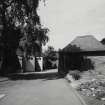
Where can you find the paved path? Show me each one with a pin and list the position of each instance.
(2, 79)
(40, 92)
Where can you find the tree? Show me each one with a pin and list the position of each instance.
(21, 28)
(103, 41)
(50, 56)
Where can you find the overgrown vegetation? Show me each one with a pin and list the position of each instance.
(21, 29)
(50, 58)
(75, 74)
(91, 86)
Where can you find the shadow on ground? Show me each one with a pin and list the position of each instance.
(32, 76)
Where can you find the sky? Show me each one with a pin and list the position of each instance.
(67, 19)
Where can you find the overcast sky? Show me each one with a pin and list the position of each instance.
(67, 19)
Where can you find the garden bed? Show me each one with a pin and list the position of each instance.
(93, 92)
(91, 86)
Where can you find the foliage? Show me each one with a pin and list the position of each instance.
(22, 15)
(50, 56)
(103, 41)
(21, 27)
(75, 74)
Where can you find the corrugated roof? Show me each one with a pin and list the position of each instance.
(84, 43)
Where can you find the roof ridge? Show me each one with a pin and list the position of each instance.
(84, 36)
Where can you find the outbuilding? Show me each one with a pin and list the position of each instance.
(82, 53)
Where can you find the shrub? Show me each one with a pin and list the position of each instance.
(75, 74)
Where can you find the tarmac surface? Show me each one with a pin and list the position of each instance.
(40, 91)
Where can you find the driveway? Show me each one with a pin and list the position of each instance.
(39, 91)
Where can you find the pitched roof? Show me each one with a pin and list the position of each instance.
(84, 43)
